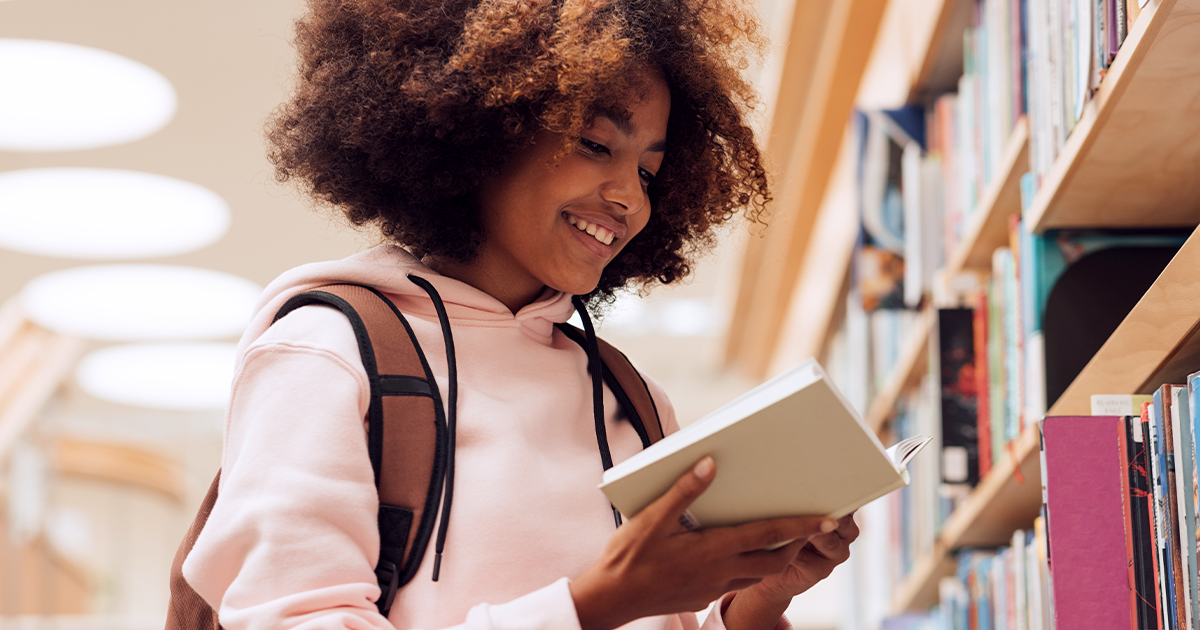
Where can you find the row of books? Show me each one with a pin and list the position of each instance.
(1128, 527)
(1116, 545)
(1008, 588)
(1077, 286)
(1050, 303)
(1069, 46)
(1042, 60)
(865, 348)
(923, 171)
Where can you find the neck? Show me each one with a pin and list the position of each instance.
(513, 294)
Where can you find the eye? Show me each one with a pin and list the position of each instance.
(594, 147)
(646, 176)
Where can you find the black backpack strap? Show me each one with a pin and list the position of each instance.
(626, 384)
(406, 427)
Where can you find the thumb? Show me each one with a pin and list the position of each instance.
(685, 490)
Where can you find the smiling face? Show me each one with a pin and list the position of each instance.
(556, 219)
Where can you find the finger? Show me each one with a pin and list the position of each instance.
(758, 564)
(848, 529)
(770, 533)
(831, 546)
(685, 490)
(813, 564)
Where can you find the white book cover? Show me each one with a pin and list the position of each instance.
(792, 446)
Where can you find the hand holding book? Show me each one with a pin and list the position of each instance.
(653, 566)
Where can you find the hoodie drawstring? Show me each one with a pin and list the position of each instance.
(596, 367)
(451, 418)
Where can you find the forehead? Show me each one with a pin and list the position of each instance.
(644, 108)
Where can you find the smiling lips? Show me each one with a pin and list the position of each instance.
(599, 233)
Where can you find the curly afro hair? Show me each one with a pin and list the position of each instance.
(402, 108)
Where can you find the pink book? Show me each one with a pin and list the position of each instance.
(1086, 528)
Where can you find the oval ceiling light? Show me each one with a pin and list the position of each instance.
(100, 214)
(63, 97)
(178, 376)
(141, 302)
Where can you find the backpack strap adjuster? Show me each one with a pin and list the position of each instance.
(389, 582)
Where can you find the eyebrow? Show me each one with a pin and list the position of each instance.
(626, 127)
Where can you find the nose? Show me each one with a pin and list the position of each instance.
(624, 189)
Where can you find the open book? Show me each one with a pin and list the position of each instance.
(792, 446)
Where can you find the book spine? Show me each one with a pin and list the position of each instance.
(1183, 500)
(1012, 348)
(1193, 395)
(1166, 576)
(1086, 528)
(959, 423)
(1151, 466)
(1179, 590)
(1139, 542)
(996, 364)
(1122, 22)
(1020, 579)
(983, 401)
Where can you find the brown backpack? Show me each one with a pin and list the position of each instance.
(410, 436)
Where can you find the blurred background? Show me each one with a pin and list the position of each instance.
(139, 220)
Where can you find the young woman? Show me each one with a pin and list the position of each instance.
(514, 153)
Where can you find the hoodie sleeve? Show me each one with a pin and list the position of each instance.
(292, 540)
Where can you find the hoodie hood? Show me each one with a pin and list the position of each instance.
(386, 268)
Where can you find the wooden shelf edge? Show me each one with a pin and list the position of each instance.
(1096, 114)
(908, 369)
(952, 16)
(988, 228)
(1158, 329)
(918, 591)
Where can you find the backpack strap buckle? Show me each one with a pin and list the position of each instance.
(389, 582)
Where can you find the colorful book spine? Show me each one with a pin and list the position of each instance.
(983, 403)
(1139, 542)
(1164, 527)
(1150, 439)
(1086, 529)
(959, 423)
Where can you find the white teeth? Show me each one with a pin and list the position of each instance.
(597, 232)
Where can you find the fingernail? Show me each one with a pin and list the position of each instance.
(704, 468)
(828, 525)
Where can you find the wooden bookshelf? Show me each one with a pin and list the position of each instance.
(1158, 342)
(987, 228)
(1133, 157)
(942, 63)
(910, 366)
(1008, 498)
(1131, 161)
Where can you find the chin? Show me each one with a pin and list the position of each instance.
(579, 285)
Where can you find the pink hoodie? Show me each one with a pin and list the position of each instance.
(292, 541)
